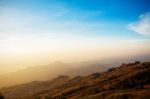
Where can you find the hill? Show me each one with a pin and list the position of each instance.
(46, 72)
(128, 81)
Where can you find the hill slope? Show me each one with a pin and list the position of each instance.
(129, 81)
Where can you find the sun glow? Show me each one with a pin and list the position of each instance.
(21, 52)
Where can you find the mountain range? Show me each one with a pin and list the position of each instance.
(127, 81)
(47, 72)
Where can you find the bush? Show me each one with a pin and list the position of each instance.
(1, 96)
(137, 62)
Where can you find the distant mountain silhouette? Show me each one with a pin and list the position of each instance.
(47, 72)
(128, 81)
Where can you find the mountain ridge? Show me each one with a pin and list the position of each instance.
(46, 72)
(128, 81)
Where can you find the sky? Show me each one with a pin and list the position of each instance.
(35, 32)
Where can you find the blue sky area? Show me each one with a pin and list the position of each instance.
(34, 32)
(108, 18)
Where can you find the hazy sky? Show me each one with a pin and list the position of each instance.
(34, 32)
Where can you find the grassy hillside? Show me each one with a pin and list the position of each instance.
(128, 81)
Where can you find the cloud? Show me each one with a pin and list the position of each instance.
(142, 26)
(14, 21)
(59, 22)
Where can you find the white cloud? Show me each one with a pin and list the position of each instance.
(142, 26)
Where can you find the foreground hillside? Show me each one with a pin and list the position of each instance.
(128, 81)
